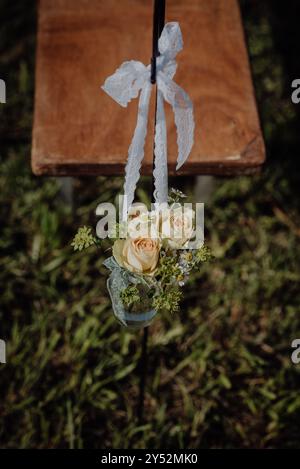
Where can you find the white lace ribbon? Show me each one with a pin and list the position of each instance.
(125, 84)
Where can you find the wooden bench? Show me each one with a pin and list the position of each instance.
(79, 130)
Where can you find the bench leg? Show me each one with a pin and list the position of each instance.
(204, 188)
(66, 190)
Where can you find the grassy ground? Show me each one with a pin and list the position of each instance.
(221, 374)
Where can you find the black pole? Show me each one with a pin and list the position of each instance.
(143, 373)
(158, 26)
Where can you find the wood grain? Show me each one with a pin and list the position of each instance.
(79, 130)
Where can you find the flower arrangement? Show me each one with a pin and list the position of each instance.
(153, 252)
(151, 264)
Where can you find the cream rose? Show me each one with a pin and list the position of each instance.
(136, 210)
(138, 255)
(144, 225)
(177, 226)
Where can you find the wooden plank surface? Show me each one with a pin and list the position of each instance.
(79, 130)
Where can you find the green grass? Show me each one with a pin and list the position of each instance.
(220, 373)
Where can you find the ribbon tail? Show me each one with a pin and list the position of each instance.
(184, 116)
(136, 149)
(185, 124)
(160, 153)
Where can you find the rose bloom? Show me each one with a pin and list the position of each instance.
(177, 226)
(138, 255)
(136, 210)
(142, 224)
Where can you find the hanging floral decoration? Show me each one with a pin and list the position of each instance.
(151, 255)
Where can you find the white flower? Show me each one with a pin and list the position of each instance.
(177, 226)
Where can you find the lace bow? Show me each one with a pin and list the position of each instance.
(125, 84)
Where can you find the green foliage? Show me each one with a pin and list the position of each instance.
(203, 254)
(168, 300)
(168, 269)
(83, 239)
(130, 295)
(175, 196)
